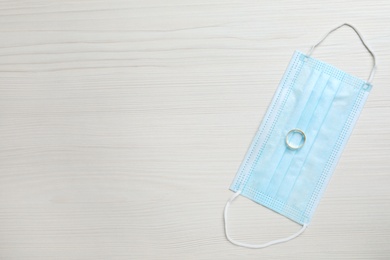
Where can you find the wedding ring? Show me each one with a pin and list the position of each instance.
(289, 136)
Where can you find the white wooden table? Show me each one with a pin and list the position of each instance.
(123, 124)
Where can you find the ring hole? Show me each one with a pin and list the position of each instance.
(295, 139)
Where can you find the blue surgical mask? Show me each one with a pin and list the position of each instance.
(300, 139)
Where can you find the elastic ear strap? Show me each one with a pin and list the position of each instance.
(361, 39)
(277, 241)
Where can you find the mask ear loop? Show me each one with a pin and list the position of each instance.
(273, 242)
(370, 78)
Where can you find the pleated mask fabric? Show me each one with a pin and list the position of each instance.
(301, 138)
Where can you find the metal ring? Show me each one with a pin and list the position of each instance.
(299, 131)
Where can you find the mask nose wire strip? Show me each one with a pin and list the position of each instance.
(361, 39)
(273, 242)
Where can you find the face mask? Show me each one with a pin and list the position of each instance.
(300, 139)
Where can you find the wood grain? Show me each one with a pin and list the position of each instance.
(123, 124)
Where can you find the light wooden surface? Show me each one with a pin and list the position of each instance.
(123, 124)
